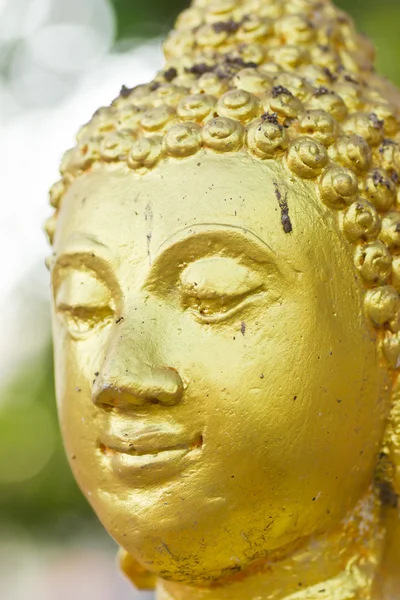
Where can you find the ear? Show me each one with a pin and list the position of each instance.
(138, 575)
(388, 485)
(390, 573)
(393, 437)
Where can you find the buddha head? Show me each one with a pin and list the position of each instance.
(226, 278)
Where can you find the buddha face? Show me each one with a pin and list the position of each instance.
(219, 387)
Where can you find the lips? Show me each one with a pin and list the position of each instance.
(124, 439)
(147, 446)
(147, 454)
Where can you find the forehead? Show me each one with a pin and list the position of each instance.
(136, 215)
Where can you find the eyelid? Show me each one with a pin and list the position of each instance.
(81, 289)
(205, 235)
(96, 264)
(208, 240)
(81, 321)
(219, 276)
(225, 315)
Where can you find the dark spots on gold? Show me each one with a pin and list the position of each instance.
(200, 69)
(271, 118)
(283, 205)
(170, 74)
(377, 123)
(387, 494)
(321, 91)
(332, 78)
(351, 79)
(225, 69)
(383, 481)
(226, 26)
(386, 142)
(279, 90)
(378, 178)
(125, 92)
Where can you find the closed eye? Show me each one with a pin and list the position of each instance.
(214, 288)
(81, 320)
(216, 309)
(83, 302)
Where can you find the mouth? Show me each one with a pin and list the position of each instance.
(137, 449)
(149, 450)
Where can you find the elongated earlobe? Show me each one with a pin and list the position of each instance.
(390, 497)
(387, 477)
(394, 439)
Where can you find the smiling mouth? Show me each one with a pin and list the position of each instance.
(143, 448)
(149, 454)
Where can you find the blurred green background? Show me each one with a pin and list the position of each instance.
(37, 491)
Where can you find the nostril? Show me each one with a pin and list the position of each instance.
(153, 401)
(198, 443)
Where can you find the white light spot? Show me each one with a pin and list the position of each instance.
(66, 47)
(19, 18)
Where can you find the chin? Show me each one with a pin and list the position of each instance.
(193, 559)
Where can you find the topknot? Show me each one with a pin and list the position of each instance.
(282, 80)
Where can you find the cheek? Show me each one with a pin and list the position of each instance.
(235, 386)
(245, 366)
(285, 385)
(76, 363)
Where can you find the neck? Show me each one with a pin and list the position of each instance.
(340, 565)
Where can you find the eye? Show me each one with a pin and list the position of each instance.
(215, 288)
(84, 303)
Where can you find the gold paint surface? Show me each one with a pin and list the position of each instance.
(226, 311)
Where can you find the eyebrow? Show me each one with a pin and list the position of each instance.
(85, 241)
(210, 229)
(83, 245)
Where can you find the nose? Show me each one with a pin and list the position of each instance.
(127, 380)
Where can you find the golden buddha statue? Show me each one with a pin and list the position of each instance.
(226, 278)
